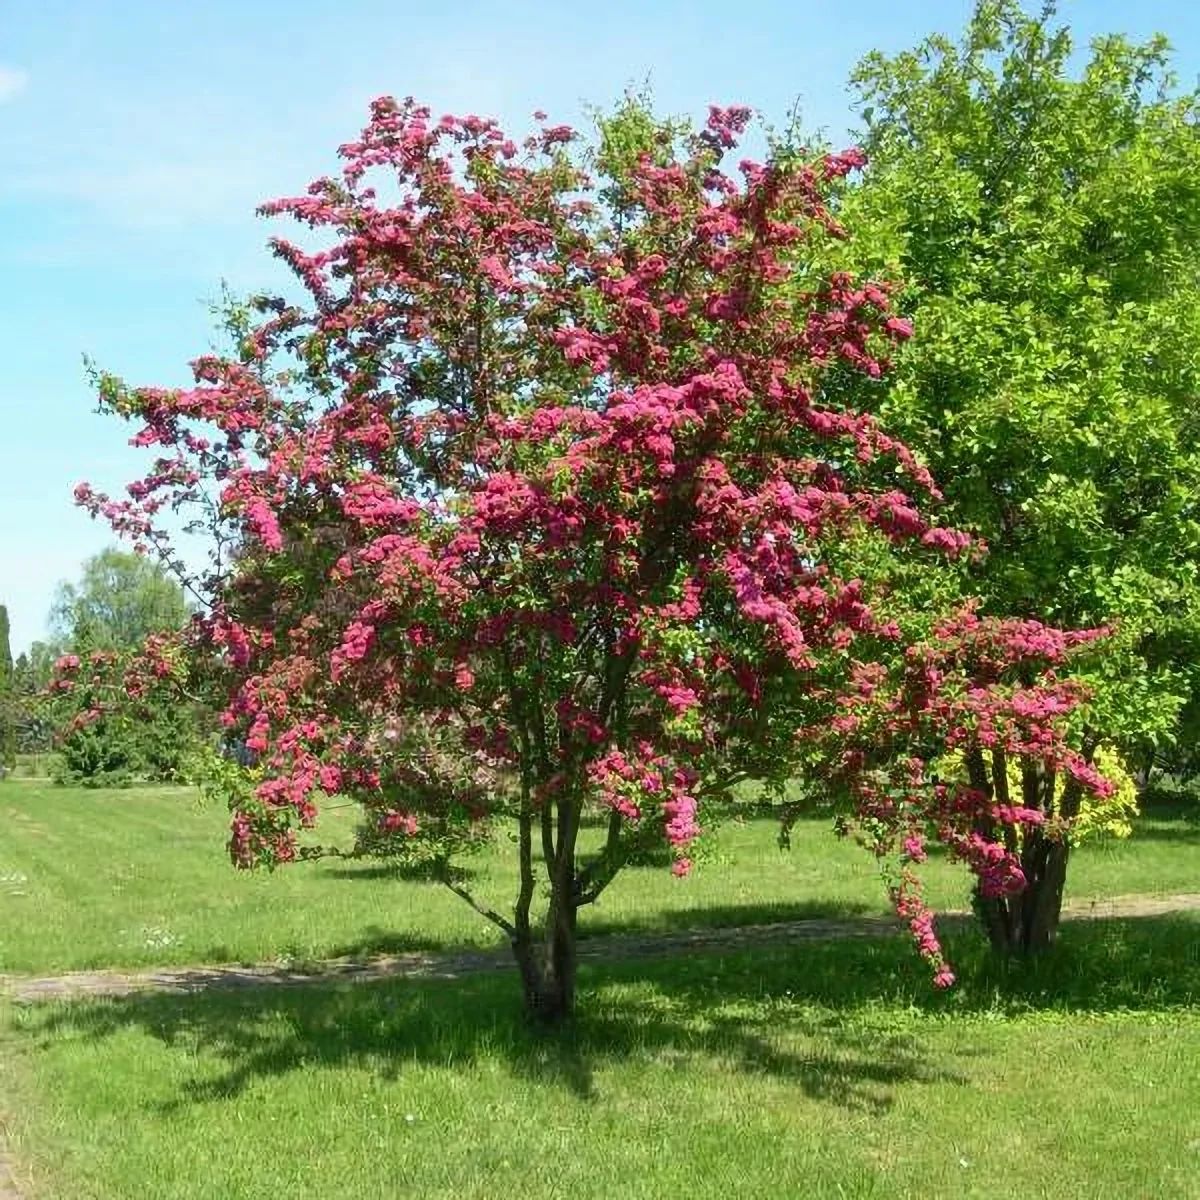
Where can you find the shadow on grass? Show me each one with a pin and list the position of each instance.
(379, 941)
(720, 916)
(841, 1020)
(1179, 831)
(401, 872)
(386, 1027)
(1170, 804)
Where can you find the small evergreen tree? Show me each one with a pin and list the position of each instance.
(8, 705)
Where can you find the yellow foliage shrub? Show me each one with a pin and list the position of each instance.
(1111, 816)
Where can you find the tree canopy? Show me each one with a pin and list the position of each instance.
(120, 599)
(121, 602)
(1043, 219)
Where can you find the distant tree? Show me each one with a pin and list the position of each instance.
(6, 658)
(8, 705)
(120, 601)
(37, 665)
(1043, 218)
(32, 672)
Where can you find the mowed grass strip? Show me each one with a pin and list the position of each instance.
(816, 1070)
(139, 877)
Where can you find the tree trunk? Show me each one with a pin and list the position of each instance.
(1027, 922)
(1042, 904)
(547, 964)
(548, 971)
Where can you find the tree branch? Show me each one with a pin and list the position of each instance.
(490, 913)
(601, 871)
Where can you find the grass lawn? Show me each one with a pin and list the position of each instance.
(139, 877)
(816, 1070)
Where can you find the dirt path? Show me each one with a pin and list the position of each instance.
(422, 965)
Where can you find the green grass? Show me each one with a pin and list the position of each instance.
(819, 1070)
(816, 1069)
(35, 766)
(139, 877)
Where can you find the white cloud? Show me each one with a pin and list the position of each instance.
(12, 82)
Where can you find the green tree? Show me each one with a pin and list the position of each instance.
(119, 601)
(1045, 222)
(8, 706)
(25, 727)
(36, 667)
(31, 673)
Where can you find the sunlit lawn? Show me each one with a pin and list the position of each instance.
(818, 1070)
(140, 877)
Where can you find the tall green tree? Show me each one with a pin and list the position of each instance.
(8, 707)
(36, 667)
(1045, 221)
(31, 674)
(118, 600)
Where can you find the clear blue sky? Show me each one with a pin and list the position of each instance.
(137, 137)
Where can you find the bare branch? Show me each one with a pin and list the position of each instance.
(490, 913)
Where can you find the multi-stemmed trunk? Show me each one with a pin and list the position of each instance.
(545, 954)
(1027, 921)
(547, 958)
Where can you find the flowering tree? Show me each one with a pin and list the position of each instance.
(1005, 794)
(537, 508)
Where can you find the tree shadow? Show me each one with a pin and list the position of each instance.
(805, 1013)
(1177, 831)
(1169, 805)
(388, 1026)
(376, 940)
(398, 871)
(720, 916)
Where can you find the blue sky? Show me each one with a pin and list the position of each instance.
(136, 139)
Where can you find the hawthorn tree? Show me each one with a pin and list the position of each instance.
(536, 509)
(1044, 219)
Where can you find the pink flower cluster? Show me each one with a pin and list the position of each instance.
(394, 821)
